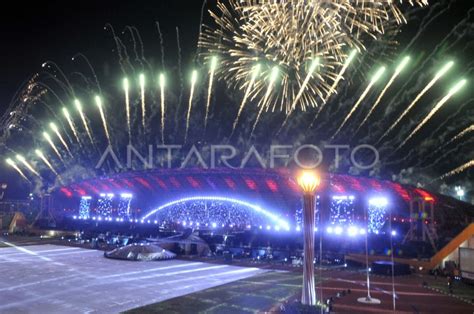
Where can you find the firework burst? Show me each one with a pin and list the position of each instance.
(292, 35)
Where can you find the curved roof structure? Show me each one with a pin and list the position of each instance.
(267, 188)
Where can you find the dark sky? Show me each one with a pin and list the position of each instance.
(56, 30)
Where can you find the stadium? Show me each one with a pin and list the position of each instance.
(81, 230)
(242, 203)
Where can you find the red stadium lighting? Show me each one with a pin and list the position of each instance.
(272, 185)
(251, 184)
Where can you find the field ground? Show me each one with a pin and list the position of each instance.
(59, 279)
(47, 278)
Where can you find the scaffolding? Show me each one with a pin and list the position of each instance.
(422, 222)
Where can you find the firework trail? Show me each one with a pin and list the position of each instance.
(397, 72)
(181, 80)
(333, 88)
(444, 154)
(250, 85)
(263, 104)
(287, 32)
(209, 90)
(461, 134)
(162, 48)
(55, 129)
(45, 160)
(162, 101)
(201, 23)
(458, 170)
(451, 92)
(98, 102)
(91, 69)
(312, 68)
(141, 78)
(22, 159)
(71, 124)
(126, 89)
(134, 43)
(374, 79)
(118, 46)
(438, 75)
(453, 139)
(47, 137)
(12, 164)
(190, 105)
(68, 83)
(78, 105)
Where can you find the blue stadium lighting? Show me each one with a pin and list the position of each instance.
(378, 201)
(377, 214)
(126, 195)
(329, 230)
(256, 208)
(352, 231)
(361, 231)
(214, 225)
(298, 228)
(268, 227)
(343, 197)
(277, 228)
(394, 233)
(338, 230)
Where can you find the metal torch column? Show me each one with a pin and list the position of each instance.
(309, 292)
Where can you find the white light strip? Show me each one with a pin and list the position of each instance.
(21, 249)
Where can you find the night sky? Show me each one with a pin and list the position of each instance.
(57, 30)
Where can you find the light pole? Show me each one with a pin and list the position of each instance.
(308, 181)
(378, 202)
